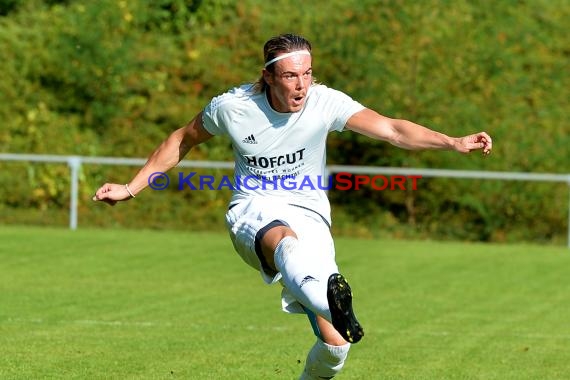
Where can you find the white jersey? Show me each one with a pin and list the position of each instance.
(280, 154)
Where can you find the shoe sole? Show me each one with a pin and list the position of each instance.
(344, 321)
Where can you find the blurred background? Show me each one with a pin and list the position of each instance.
(113, 78)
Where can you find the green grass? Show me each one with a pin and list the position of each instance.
(119, 304)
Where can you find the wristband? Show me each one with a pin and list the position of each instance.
(129, 190)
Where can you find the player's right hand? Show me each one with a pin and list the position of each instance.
(111, 193)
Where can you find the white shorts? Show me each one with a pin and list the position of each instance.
(245, 220)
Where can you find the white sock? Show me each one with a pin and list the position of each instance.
(324, 361)
(304, 278)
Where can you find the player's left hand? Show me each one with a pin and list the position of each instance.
(476, 141)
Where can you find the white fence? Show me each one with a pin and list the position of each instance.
(75, 162)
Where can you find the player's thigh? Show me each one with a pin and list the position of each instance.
(315, 239)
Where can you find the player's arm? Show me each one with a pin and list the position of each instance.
(168, 154)
(408, 135)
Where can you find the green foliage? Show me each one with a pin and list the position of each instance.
(113, 78)
(7, 6)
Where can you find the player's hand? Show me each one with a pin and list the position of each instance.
(478, 141)
(111, 193)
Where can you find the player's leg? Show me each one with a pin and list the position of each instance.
(256, 235)
(302, 273)
(311, 276)
(270, 239)
(324, 361)
(327, 356)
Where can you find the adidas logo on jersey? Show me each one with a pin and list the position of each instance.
(249, 140)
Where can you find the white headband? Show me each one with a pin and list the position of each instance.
(283, 56)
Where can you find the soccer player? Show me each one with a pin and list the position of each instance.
(278, 127)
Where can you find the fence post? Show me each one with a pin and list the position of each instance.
(74, 163)
(568, 237)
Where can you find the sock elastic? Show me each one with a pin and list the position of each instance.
(324, 361)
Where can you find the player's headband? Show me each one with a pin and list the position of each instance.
(283, 56)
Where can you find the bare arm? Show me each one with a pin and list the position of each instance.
(408, 135)
(168, 154)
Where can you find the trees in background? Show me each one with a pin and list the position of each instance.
(112, 78)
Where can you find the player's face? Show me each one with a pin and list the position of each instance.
(289, 83)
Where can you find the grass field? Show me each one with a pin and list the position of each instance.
(118, 304)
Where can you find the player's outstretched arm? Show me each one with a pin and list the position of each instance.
(168, 154)
(408, 135)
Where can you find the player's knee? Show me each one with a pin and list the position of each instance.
(276, 236)
(276, 232)
(272, 235)
(325, 361)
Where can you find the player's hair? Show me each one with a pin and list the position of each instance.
(284, 43)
